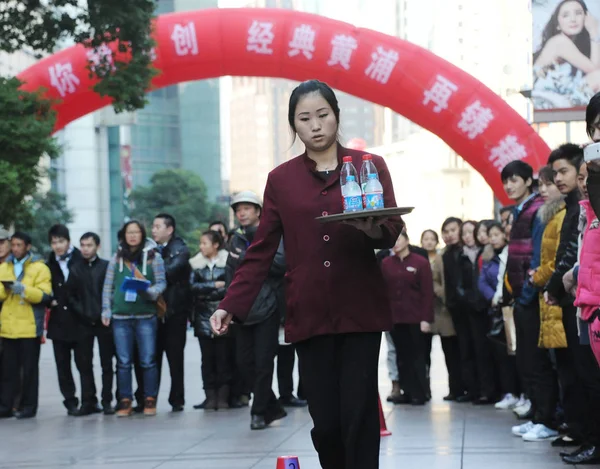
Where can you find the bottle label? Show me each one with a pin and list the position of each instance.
(353, 203)
(374, 201)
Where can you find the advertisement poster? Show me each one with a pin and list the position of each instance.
(566, 53)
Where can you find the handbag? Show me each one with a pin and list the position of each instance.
(161, 304)
(497, 329)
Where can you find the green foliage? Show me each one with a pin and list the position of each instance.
(26, 122)
(41, 26)
(180, 193)
(41, 212)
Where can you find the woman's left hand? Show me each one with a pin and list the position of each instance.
(370, 226)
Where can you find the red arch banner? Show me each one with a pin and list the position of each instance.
(412, 81)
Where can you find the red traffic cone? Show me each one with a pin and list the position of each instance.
(383, 431)
(288, 462)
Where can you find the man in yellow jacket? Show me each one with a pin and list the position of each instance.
(25, 290)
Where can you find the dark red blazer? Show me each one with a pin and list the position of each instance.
(410, 288)
(333, 282)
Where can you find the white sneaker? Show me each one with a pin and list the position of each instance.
(540, 433)
(509, 402)
(523, 410)
(521, 401)
(520, 430)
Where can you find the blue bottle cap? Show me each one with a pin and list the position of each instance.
(372, 176)
(350, 178)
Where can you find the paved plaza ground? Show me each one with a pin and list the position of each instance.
(438, 436)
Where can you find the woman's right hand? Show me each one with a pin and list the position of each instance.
(219, 321)
(106, 321)
(219, 284)
(591, 24)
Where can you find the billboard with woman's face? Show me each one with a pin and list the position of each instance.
(566, 53)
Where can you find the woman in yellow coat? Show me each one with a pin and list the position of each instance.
(25, 289)
(552, 213)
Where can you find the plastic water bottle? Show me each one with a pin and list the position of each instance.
(368, 167)
(351, 192)
(373, 193)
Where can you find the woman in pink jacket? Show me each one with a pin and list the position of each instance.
(588, 283)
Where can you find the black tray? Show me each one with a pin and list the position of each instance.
(383, 213)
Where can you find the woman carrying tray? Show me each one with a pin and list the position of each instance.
(335, 295)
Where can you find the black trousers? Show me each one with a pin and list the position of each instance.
(170, 341)
(216, 362)
(256, 350)
(506, 365)
(579, 378)
(468, 366)
(410, 357)
(286, 357)
(479, 325)
(83, 351)
(239, 386)
(20, 372)
(339, 375)
(106, 347)
(535, 365)
(450, 347)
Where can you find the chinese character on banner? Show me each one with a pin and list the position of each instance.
(440, 93)
(185, 40)
(341, 53)
(100, 55)
(382, 65)
(475, 119)
(260, 37)
(303, 41)
(509, 149)
(63, 78)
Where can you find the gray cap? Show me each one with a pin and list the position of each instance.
(247, 197)
(4, 234)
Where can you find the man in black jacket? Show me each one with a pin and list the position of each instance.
(65, 326)
(257, 339)
(88, 274)
(577, 369)
(172, 329)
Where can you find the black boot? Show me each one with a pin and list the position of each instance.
(223, 397)
(211, 399)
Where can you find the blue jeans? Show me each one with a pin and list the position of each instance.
(128, 333)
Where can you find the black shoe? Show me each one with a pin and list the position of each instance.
(109, 410)
(292, 402)
(277, 414)
(200, 406)
(450, 397)
(465, 398)
(417, 402)
(6, 413)
(139, 409)
(402, 399)
(88, 410)
(258, 423)
(177, 408)
(72, 411)
(235, 403)
(484, 401)
(587, 455)
(565, 442)
(579, 449)
(25, 414)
